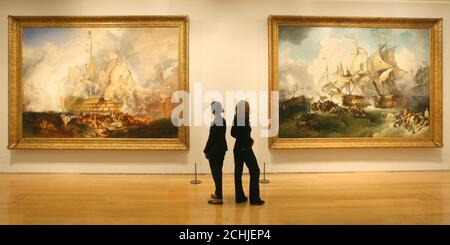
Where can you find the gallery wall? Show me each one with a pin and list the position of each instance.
(228, 51)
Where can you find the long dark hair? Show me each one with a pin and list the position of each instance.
(242, 113)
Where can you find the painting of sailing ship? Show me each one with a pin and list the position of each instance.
(99, 82)
(353, 82)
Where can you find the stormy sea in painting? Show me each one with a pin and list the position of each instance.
(99, 83)
(353, 82)
(116, 125)
(334, 121)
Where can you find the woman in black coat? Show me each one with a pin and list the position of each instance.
(215, 149)
(243, 153)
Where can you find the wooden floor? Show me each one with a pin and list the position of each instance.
(338, 198)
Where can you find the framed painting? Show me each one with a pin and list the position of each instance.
(96, 82)
(340, 82)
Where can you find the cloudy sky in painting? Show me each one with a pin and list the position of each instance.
(49, 52)
(305, 52)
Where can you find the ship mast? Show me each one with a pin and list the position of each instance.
(91, 68)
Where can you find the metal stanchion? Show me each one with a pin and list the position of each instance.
(195, 181)
(264, 180)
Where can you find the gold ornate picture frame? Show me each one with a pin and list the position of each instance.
(351, 82)
(84, 82)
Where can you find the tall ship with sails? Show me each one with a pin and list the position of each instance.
(91, 87)
(368, 80)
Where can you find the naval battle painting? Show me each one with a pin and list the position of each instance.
(85, 82)
(356, 82)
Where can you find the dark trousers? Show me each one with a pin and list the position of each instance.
(216, 164)
(246, 156)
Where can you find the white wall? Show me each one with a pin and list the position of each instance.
(228, 51)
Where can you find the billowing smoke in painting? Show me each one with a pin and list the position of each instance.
(99, 82)
(353, 82)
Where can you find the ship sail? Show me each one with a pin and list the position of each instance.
(385, 75)
(388, 56)
(363, 81)
(376, 65)
(366, 76)
(91, 69)
(342, 79)
(384, 71)
(359, 61)
(359, 77)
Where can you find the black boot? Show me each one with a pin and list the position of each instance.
(258, 202)
(241, 200)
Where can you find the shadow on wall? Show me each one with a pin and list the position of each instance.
(99, 157)
(397, 156)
